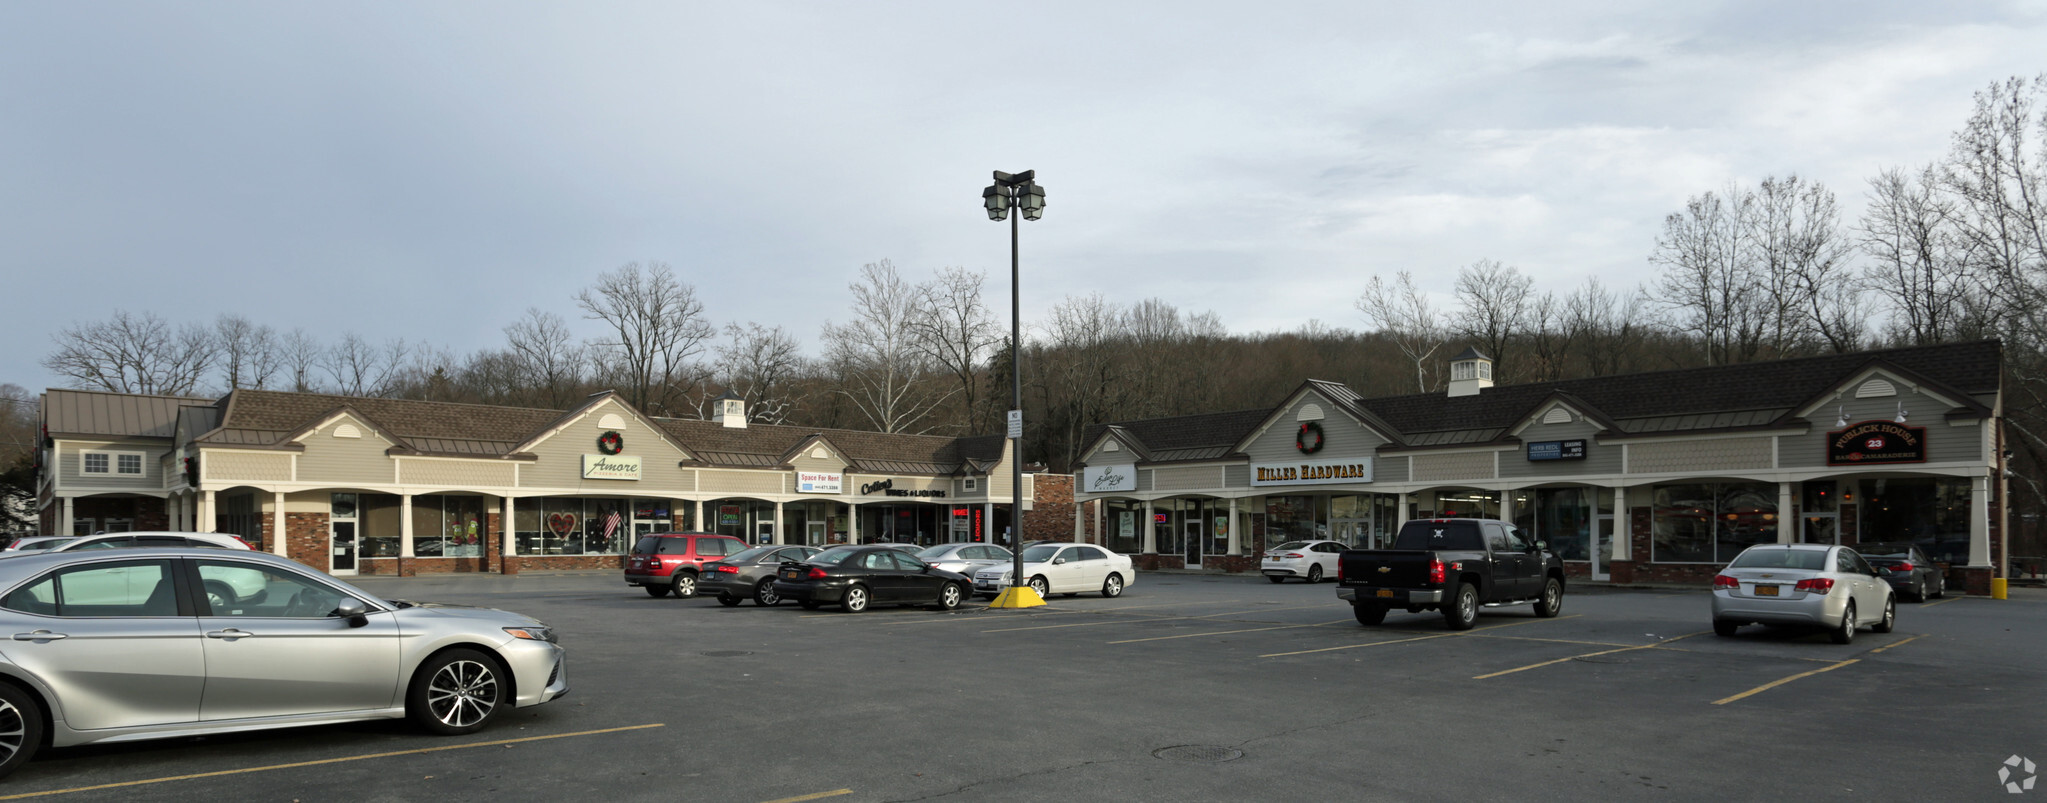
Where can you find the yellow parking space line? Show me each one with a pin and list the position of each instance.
(1560, 641)
(1942, 602)
(1775, 683)
(1228, 632)
(1899, 644)
(1355, 646)
(1477, 630)
(319, 762)
(812, 796)
(1153, 619)
(1589, 655)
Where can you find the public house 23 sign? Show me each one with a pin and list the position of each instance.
(1876, 442)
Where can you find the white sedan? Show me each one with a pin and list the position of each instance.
(1308, 560)
(1063, 568)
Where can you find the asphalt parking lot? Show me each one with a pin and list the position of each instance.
(1188, 687)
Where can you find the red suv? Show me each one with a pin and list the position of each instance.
(665, 563)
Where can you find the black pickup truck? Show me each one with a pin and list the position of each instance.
(1455, 565)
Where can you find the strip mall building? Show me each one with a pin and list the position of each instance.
(383, 486)
(1659, 477)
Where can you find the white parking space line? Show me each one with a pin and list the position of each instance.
(1472, 632)
(1589, 655)
(1155, 619)
(1228, 632)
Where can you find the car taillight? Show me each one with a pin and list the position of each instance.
(814, 573)
(1339, 571)
(1902, 567)
(1724, 581)
(725, 569)
(1817, 585)
(1293, 555)
(244, 541)
(1435, 571)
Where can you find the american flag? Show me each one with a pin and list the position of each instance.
(610, 524)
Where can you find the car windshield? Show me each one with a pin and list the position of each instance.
(1893, 551)
(1040, 554)
(1812, 559)
(750, 554)
(833, 557)
(937, 552)
(1292, 545)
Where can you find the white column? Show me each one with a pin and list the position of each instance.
(1979, 521)
(173, 513)
(988, 533)
(508, 543)
(1101, 521)
(1623, 525)
(781, 522)
(1507, 507)
(1400, 515)
(1150, 530)
(63, 516)
(208, 520)
(702, 526)
(1236, 544)
(1787, 524)
(405, 526)
(279, 544)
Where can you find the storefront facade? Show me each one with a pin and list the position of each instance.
(1642, 478)
(381, 486)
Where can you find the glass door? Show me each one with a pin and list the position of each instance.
(341, 540)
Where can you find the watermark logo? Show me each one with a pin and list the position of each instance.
(2009, 774)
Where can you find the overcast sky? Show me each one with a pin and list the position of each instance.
(428, 170)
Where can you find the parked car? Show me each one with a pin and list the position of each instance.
(904, 547)
(1803, 585)
(854, 577)
(965, 558)
(1062, 568)
(670, 563)
(109, 648)
(1308, 560)
(751, 573)
(37, 543)
(1913, 575)
(1455, 565)
(152, 539)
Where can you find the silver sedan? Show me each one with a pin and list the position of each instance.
(132, 644)
(965, 558)
(1810, 585)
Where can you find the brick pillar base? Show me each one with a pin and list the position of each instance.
(1621, 571)
(511, 565)
(1976, 581)
(405, 567)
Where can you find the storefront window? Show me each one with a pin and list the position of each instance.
(1933, 513)
(1292, 518)
(379, 527)
(1462, 504)
(749, 520)
(1711, 523)
(1561, 516)
(447, 526)
(1820, 502)
(556, 525)
(1119, 518)
(1167, 518)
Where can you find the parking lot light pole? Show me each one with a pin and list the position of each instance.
(1021, 192)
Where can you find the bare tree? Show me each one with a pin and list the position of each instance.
(657, 333)
(1496, 307)
(133, 354)
(958, 331)
(1402, 312)
(1917, 261)
(1996, 175)
(248, 352)
(760, 363)
(1086, 381)
(884, 371)
(1709, 280)
(299, 356)
(360, 369)
(1608, 326)
(545, 358)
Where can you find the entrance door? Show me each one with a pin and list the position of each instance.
(341, 547)
(1193, 541)
(1602, 529)
(815, 533)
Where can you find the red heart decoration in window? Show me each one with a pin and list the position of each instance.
(561, 523)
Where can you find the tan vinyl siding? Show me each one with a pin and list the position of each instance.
(998, 481)
(1187, 478)
(1342, 437)
(561, 457)
(1390, 469)
(1944, 443)
(712, 481)
(248, 467)
(1454, 466)
(1598, 459)
(1699, 456)
(1237, 476)
(347, 461)
(456, 475)
(71, 465)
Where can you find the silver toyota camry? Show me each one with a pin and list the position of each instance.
(125, 645)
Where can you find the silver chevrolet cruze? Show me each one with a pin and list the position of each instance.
(1803, 585)
(132, 644)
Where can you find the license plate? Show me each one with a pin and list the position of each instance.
(1385, 592)
(789, 575)
(1766, 591)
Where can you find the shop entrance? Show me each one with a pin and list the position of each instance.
(1193, 541)
(341, 532)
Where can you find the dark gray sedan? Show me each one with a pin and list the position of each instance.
(1913, 575)
(735, 578)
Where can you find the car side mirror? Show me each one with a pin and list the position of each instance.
(354, 611)
(1882, 570)
(1539, 546)
(1057, 561)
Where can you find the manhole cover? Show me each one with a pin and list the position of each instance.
(726, 653)
(1602, 659)
(1198, 752)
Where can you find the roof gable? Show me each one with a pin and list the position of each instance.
(1338, 397)
(605, 405)
(1878, 370)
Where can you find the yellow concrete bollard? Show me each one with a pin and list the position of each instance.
(1997, 588)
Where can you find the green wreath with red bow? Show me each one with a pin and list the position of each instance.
(1301, 442)
(611, 443)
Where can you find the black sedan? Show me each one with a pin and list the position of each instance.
(1913, 575)
(750, 573)
(854, 577)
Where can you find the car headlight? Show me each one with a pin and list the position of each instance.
(535, 633)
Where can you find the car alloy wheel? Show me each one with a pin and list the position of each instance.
(1552, 602)
(856, 599)
(1462, 612)
(764, 594)
(1890, 617)
(1039, 585)
(949, 596)
(685, 585)
(1846, 632)
(21, 727)
(1315, 573)
(1113, 587)
(462, 693)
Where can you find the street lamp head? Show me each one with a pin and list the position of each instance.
(1030, 199)
(997, 202)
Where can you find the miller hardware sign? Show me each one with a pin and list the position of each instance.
(1876, 442)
